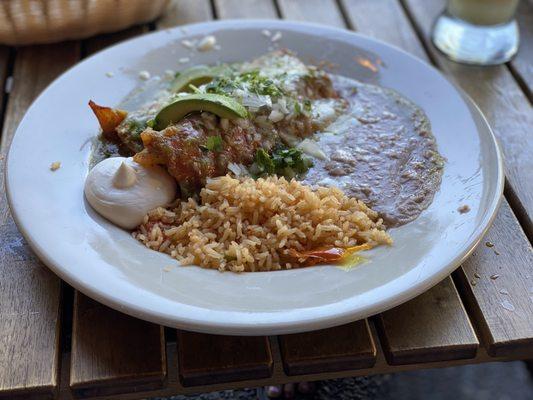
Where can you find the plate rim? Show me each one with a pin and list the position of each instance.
(240, 327)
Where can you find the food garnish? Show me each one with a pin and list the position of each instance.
(336, 255)
(287, 162)
(223, 106)
(108, 118)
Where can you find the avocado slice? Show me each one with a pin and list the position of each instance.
(196, 76)
(223, 106)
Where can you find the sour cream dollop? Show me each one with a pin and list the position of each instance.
(123, 191)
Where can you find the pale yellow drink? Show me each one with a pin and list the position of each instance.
(483, 12)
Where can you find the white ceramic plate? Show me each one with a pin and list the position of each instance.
(105, 263)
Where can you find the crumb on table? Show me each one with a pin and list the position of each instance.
(464, 209)
(55, 166)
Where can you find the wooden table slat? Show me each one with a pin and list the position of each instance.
(320, 11)
(432, 327)
(208, 359)
(502, 101)
(113, 352)
(30, 295)
(345, 347)
(498, 283)
(226, 9)
(99, 42)
(185, 12)
(384, 20)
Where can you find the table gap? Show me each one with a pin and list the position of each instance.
(8, 74)
(344, 13)
(518, 210)
(67, 302)
(214, 11)
(521, 82)
(277, 8)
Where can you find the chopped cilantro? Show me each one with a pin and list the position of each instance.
(250, 81)
(292, 158)
(264, 163)
(135, 126)
(213, 143)
(307, 105)
(287, 162)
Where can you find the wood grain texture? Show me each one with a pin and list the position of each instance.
(279, 377)
(432, 327)
(97, 43)
(502, 101)
(384, 20)
(345, 347)
(522, 64)
(185, 12)
(320, 11)
(498, 283)
(207, 359)
(112, 352)
(29, 292)
(226, 9)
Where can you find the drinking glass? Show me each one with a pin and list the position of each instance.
(482, 32)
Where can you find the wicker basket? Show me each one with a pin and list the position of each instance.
(46, 21)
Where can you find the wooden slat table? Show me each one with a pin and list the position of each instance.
(57, 343)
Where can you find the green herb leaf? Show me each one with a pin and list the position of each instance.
(214, 143)
(297, 108)
(308, 106)
(293, 159)
(287, 162)
(264, 162)
(250, 81)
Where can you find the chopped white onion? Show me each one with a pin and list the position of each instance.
(255, 100)
(311, 148)
(276, 116)
(238, 169)
(282, 103)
